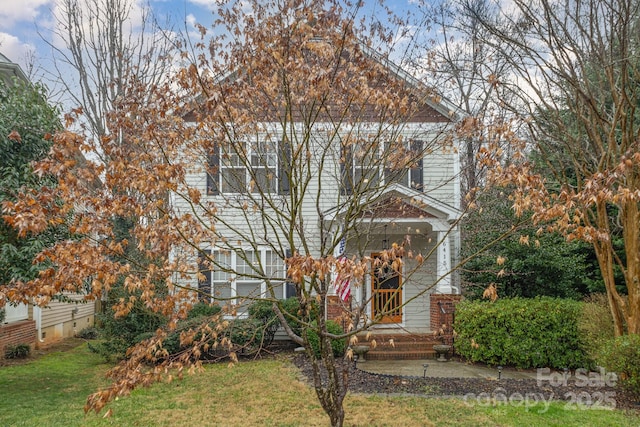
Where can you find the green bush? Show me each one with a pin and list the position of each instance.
(298, 318)
(120, 333)
(262, 311)
(18, 351)
(196, 317)
(172, 341)
(333, 327)
(3, 315)
(88, 333)
(525, 333)
(622, 355)
(247, 334)
(202, 309)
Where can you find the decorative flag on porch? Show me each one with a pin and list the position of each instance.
(343, 289)
(342, 285)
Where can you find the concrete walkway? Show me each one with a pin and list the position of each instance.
(449, 369)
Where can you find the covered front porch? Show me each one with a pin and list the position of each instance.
(406, 301)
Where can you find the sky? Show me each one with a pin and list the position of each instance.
(24, 24)
(27, 26)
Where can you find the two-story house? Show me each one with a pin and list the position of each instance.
(304, 160)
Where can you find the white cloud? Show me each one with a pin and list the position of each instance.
(13, 12)
(15, 50)
(191, 20)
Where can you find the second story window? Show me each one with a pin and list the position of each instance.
(409, 168)
(264, 168)
(367, 166)
(252, 167)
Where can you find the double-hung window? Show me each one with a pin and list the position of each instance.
(237, 278)
(365, 166)
(410, 169)
(264, 166)
(360, 166)
(247, 167)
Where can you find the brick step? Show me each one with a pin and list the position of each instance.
(400, 355)
(405, 346)
(399, 346)
(399, 338)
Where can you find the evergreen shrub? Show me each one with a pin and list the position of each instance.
(18, 351)
(525, 333)
(338, 346)
(622, 355)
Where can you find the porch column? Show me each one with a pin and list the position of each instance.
(443, 269)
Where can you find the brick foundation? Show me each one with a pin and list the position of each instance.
(23, 332)
(337, 309)
(443, 308)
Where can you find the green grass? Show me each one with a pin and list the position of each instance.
(51, 391)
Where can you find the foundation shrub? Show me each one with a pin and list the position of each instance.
(202, 309)
(338, 346)
(18, 351)
(525, 333)
(88, 333)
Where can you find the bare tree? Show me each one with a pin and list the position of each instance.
(576, 64)
(105, 42)
(456, 54)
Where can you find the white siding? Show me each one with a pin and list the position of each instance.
(16, 313)
(323, 193)
(60, 312)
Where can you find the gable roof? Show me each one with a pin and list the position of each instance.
(433, 107)
(438, 102)
(10, 70)
(401, 202)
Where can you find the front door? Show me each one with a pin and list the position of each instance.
(386, 285)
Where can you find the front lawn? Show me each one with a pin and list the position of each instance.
(51, 391)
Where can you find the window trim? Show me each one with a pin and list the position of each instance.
(280, 156)
(232, 277)
(414, 175)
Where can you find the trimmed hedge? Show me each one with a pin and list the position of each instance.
(202, 309)
(525, 333)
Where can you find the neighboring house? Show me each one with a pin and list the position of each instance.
(421, 202)
(29, 324)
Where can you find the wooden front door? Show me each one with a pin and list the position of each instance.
(386, 284)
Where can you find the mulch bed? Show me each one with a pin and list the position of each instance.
(575, 393)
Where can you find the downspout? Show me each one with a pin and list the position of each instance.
(38, 317)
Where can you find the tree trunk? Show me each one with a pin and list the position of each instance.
(630, 222)
(604, 254)
(332, 393)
